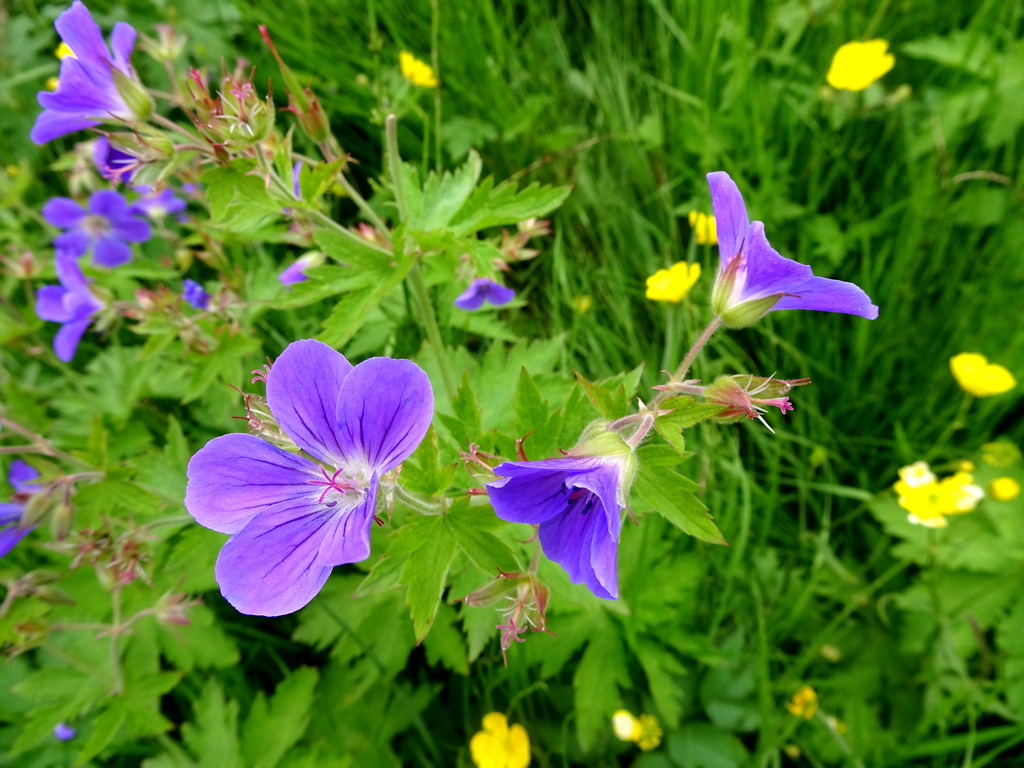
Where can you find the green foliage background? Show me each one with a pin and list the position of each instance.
(912, 189)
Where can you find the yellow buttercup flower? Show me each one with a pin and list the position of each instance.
(976, 375)
(52, 83)
(582, 304)
(417, 72)
(855, 66)
(498, 745)
(704, 227)
(928, 500)
(644, 731)
(64, 50)
(804, 703)
(674, 283)
(1004, 489)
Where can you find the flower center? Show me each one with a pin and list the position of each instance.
(95, 225)
(582, 496)
(334, 486)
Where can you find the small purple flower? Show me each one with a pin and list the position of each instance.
(296, 273)
(296, 177)
(483, 289)
(64, 732)
(21, 476)
(112, 163)
(157, 205)
(93, 86)
(195, 295)
(753, 279)
(107, 227)
(291, 519)
(70, 303)
(576, 501)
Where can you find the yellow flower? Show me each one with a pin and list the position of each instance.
(965, 466)
(928, 500)
(498, 745)
(804, 703)
(417, 72)
(644, 730)
(855, 66)
(674, 283)
(976, 375)
(51, 84)
(704, 228)
(582, 304)
(1004, 489)
(64, 50)
(1001, 454)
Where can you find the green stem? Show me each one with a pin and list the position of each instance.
(419, 288)
(115, 641)
(684, 367)
(435, 34)
(395, 165)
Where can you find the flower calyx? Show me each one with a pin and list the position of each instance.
(750, 396)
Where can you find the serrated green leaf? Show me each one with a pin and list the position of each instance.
(445, 645)
(532, 411)
(671, 495)
(272, 729)
(492, 206)
(465, 425)
(595, 683)
(444, 195)
(686, 412)
(425, 572)
(421, 472)
(352, 250)
(212, 735)
(469, 527)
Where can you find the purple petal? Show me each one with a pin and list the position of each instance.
(235, 477)
(74, 242)
(295, 273)
(576, 542)
(65, 343)
(767, 272)
(111, 252)
(51, 125)
(131, 228)
(828, 295)
(10, 535)
(534, 491)
(21, 476)
(64, 732)
(270, 568)
(70, 273)
(470, 299)
(730, 214)
(384, 411)
(85, 90)
(63, 212)
(83, 35)
(108, 203)
(348, 534)
(302, 391)
(122, 40)
(50, 304)
(296, 177)
(499, 295)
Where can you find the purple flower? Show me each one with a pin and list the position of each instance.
(753, 279)
(296, 272)
(112, 163)
(291, 519)
(107, 227)
(482, 289)
(296, 178)
(64, 732)
(21, 476)
(195, 295)
(94, 86)
(70, 303)
(157, 205)
(576, 501)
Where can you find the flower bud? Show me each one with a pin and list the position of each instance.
(134, 94)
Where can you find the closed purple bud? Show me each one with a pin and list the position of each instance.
(195, 295)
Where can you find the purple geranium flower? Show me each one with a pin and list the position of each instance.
(296, 273)
(93, 84)
(157, 205)
(112, 163)
(195, 295)
(576, 501)
(21, 476)
(753, 279)
(291, 519)
(64, 732)
(70, 303)
(107, 227)
(483, 289)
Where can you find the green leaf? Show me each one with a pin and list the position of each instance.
(271, 730)
(595, 683)
(421, 472)
(465, 425)
(212, 735)
(352, 250)
(532, 412)
(468, 526)
(443, 195)
(671, 495)
(430, 548)
(702, 745)
(492, 206)
(685, 413)
(445, 645)
(238, 200)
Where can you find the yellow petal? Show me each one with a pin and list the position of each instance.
(486, 751)
(855, 66)
(518, 747)
(977, 376)
(417, 72)
(674, 283)
(1004, 489)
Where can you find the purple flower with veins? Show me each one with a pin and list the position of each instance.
(576, 502)
(88, 91)
(106, 227)
(70, 303)
(157, 205)
(195, 295)
(482, 289)
(753, 279)
(112, 163)
(21, 476)
(291, 519)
